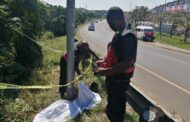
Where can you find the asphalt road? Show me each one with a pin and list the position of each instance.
(163, 75)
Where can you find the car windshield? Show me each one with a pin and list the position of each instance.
(148, 30)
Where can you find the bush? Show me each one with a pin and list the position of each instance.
(28, 54)
(17, 110)
(46, 35)
(13, 73)
(49, 35)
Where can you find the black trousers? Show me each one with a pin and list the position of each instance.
(116, 98)
(63, 76)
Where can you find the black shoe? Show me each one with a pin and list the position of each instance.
(94, 87)
(62, 95)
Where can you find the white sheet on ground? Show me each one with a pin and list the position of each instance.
(63, 110)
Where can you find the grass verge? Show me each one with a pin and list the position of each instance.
(176, 41)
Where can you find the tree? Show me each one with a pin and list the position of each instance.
(144, 12)
(174, 18)
(29, 13)
(181, 19)
(185, 22)
(140, 13)
(16, 51)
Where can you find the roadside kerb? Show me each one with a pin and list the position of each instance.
(169, 47)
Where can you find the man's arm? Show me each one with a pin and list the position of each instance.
(93, 53)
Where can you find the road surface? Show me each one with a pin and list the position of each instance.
(163, 75)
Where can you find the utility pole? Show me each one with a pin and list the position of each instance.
(162, 19)
(164, 10)
(70, 46)
(130, 5)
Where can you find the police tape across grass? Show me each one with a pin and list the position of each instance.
(12, 86)
(4, 86)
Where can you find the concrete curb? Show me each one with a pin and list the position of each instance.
(168, 47)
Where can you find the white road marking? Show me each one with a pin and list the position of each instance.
(171, 83)
(167, 81)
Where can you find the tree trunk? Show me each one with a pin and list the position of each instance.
(143, 19)
(135, 22)
(160, 29)
(185, 38)
(171, 31)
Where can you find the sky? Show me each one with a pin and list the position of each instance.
(126, 5)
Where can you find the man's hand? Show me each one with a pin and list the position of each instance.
(102, 71)
(80, 77)
(99, 62)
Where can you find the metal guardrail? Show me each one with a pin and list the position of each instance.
(146, 108)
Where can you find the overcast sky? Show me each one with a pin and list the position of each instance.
(106, 4)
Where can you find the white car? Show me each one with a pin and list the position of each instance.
(146, 33)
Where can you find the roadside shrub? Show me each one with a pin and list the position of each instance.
(46, 35)
(13, 73)
(28, 54)
(16, 110)
(49, 35)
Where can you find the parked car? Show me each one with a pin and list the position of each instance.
(179, 31)
(145, 33)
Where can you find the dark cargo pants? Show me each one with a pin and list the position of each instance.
(63, 76)
(116, 98)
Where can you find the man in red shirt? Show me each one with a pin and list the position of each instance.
(82, 48)
(118, 66)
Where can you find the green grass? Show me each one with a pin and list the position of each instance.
(27, 103)
(51, 59)
(23, 105)
(176, 41)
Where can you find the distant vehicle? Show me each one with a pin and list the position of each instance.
(91, 27)
(145, 33)
(180, 31)
(91, 22)
(96, 21)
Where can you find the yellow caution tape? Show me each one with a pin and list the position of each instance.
(12, 86)
(51, 49)
(4, 86)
